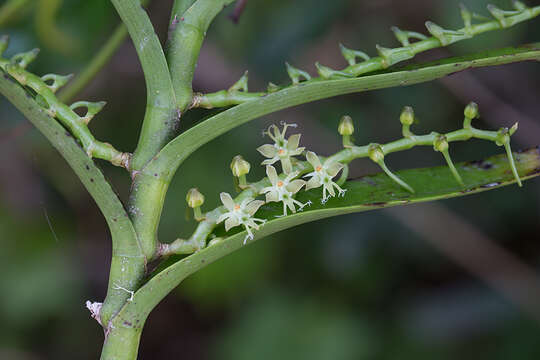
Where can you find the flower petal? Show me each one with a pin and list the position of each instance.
(270, 161)
(230, 223)
(294, 186)
(330, 189)
(313, 159)
(272, 196)
(227, 201)
(272, 174)
(333, 168)
(313, 183)
(253, 206)
(223, 217)
(293, 141)
(267, 150)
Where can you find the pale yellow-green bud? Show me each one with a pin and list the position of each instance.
(407, 116)
(471, 111)
(440, 143)
(239, 166)
(375, 153)
(194, 198)
(346, 126)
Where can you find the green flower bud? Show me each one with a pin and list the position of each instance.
(194, 198)
(440, 143)
(471, 111)
(407, 116)
(376, 153)
(239, 166)
(346, 126)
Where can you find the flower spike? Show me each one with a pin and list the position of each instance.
(295, 74)
(441, 145)
(23, 59)
(445, 37)
(322, 175)
(393, 56)
(467, 16)
(508, 18)
(241, 84)
(326, 73)
(351, 55)
(376, 154)
(241, 214)
(404, 36)
(283, 190)
(57, 81)
(283, 149)
(503, 139)
(92, 108)
(272, 87)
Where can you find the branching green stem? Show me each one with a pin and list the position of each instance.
(388, 58)
(161, 118)
(55, 108)
(172, 155)
(127, 264)
(132, 317)
(186, 34)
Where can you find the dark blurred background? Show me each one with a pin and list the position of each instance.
(453, 279)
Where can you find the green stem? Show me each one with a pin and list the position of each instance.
(453, 169)
(128, 262)
(150, 294)
(161, 118)
(76, 124)
(122, 342)
(223, 99)
(172, 155)
(187, 32)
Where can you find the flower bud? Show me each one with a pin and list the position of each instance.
(407, 116)
(376, 153)
(194, 198)
(471, 111)
(239, 166)
(440, 143)
(346, 126)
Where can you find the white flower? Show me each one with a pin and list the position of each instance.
(283, 190)
(282, 149)
(323, 175)
(241, 214)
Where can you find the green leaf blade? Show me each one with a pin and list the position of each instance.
(367, 193)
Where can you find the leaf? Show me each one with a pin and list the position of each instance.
(367, 193)
(176, 151)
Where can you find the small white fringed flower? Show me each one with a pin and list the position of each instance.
(282, 149)
(241, 214)
(322, 175)
(284, 190)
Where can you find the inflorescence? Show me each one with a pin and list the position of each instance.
(44, 88)
(321, 172)
(411, 43)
